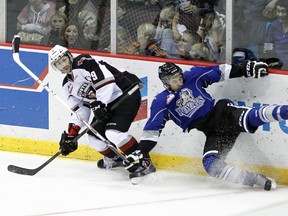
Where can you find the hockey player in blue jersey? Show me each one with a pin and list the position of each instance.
(187, 104)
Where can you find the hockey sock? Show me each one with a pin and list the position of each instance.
(218, 168)
(266, 114)
(108, 153)
(130, 146)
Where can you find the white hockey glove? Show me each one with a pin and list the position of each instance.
(134, 160)
(255, 69)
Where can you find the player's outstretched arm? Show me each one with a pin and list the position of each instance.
(255, 69)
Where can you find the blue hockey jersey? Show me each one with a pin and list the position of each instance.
(190, 102)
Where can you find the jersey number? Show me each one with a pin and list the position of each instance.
(93, 76)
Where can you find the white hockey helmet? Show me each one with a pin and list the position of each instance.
(58, 52)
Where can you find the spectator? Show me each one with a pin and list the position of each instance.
(164, 32)
(212, 30)
(73, 9)
(188, 15)
(88, 22)
(255, 24)
(277, 35)
(33, 20)
(56, 35)
(146, 44)
(188, 39)
(177, 28)
(201, 52)
(72, 36)
(130, 14)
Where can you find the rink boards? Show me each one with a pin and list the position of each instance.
(32, 121)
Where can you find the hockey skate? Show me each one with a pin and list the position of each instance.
(109, 163)
(144, 168)
(259, 180)
(264, 182)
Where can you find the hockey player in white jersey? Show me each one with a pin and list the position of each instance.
(94, 85)
(189, 106)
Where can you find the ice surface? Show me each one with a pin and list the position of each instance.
(79, 188)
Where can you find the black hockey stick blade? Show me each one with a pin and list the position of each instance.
(15, 44)
(31, 172)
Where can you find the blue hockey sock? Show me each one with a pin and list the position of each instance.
(266, 114)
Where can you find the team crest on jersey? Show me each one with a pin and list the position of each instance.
(84, 90)
(188, 104)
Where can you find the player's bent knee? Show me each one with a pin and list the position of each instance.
(117, 137)
(213, 164)
(97, 144)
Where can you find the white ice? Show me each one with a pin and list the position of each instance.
(79, 188)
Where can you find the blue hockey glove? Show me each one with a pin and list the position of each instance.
(100, 110)
(255, 69)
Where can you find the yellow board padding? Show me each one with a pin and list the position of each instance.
(164, 162)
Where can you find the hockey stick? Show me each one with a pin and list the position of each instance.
(27, 171)
(31, 172)
(12, 168)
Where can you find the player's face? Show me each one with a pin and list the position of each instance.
(176, 82)
(63, 64)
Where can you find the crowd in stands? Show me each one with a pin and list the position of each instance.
(180, 29)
